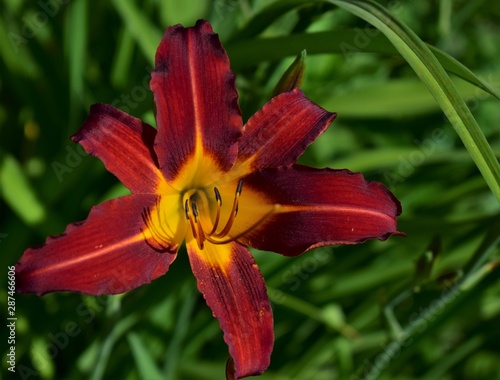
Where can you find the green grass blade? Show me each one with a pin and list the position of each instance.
(172, 358)
(75, 44)
(459, 354)
(15, 57)
(432, 73)
(384, 100)
(145, 364)
(116, 333)
(455, 67)
(123, 59)
(182, 12)
(142, 29)
(252, 51)
(18, 193)
(268, 15)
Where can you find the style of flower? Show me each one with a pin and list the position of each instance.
(205, 178)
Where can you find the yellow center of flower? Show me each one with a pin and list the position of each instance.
(200, 214)
(197, 210)
(208, 225)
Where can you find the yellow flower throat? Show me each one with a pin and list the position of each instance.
(197, 214)
(197, 220)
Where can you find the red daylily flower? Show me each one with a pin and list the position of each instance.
(205, 178)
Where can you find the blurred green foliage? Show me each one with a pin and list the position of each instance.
(426, 306)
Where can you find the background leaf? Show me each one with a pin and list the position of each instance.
(339, 312)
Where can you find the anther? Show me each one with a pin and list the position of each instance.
(234, 211)
(195, 210)
(190, 218)
(217, 196)
(238, 193)
(196, 220)
(239, 188)
(186, 208)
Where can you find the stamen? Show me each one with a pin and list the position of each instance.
(195, 210)
(234, 211)
(188, 217)
(186, 208)
(217, 215)
(234, 238)
(239, 188)
(217, 196)
(201, 236)
(238, 193)
(214, 237)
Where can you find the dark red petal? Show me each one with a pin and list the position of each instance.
(234, 289)
(125, 145)
(105, 254)
(280, 132)
(318, 207)
(196, 100)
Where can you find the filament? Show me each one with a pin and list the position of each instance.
(198, 229)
